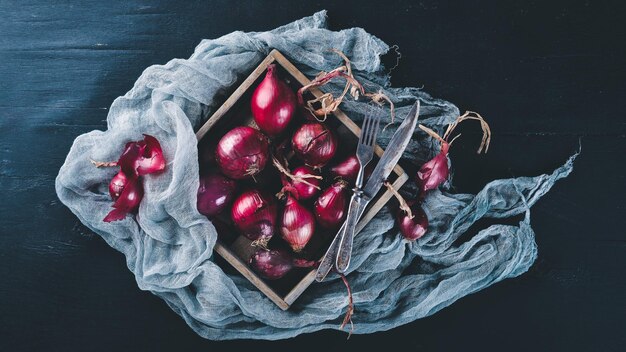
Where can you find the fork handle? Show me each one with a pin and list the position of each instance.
(345, 246)
(329, 260)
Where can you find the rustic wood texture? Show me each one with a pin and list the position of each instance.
(237, 253)
(545, 74)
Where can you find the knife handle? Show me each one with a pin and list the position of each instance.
(345, 246)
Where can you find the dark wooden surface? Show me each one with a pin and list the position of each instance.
(545, 74)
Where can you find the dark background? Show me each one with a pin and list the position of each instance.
(546, 74)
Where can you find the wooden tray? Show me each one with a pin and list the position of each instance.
(236, 249)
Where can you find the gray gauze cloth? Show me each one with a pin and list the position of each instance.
(169, 246)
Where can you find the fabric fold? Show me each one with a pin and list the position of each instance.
(168, 246)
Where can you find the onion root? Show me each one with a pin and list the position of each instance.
(328, 103)
(295, 178)
(403, 204)
(348, 317)
(103, 163)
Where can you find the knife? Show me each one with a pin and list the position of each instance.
(387, 162)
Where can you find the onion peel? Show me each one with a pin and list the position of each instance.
(295, 178)
(138, 157)
(328, 103)
(314, 143)
(404, 206)
(434, 172)
(350, 311)
(127, 201)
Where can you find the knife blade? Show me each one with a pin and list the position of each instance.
(387, 162)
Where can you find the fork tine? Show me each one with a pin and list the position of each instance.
(375, 133)
(368, 137)
(371, 131)
(365, 129)
(374, 129)
(373, 125)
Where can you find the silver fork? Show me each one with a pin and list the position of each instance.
(364, 153)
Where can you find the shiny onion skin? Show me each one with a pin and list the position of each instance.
(214, 194)
(297, 224)
(142, 157)
(306, 191)
(434, 172)
(275, 263)
(128, 200)
(139, 158)
(273, 103)
(242, 152)
(347, 169)
(116, 186)
(314, 144)
(412, 229)
(331, 207)
(254, 214)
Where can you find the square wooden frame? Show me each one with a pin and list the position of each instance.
(230, 254)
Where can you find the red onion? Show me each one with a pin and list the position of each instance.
(142, 157)
(116, 186)
(276, 263)
(214, 193)
(314, 143)
(346, 169)
(304, 183)
(254, 215)
(273, 103)
(308, 189)
(331, 206)
(139, 158)
(434, 172)
(128, 200)
(412, 228)
(242, 152)
(297, 225)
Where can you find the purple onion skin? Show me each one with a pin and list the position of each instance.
(304, 190)
(412, 229)
(254, 214)
(215, 193)
(128, 200)
(297, 224)
(273, 103)
(434, 172)
(347, 169)
(273, 264)
(242, 152)
(141, 158)
(331, 206)
(117, 184)
(314, 144)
